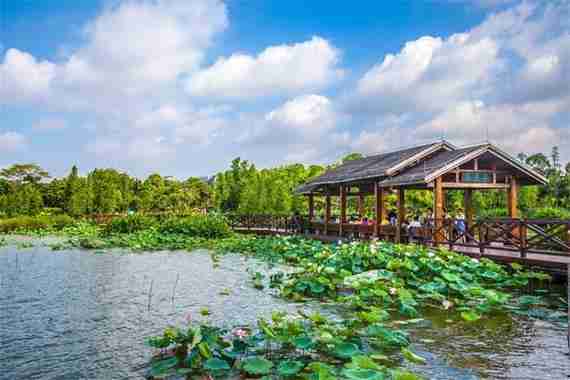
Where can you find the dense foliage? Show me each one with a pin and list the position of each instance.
(25, 189)
(45, 223)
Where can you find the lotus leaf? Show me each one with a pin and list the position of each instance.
(362, 374)
(290, 368)
(257, 366)
(215, 364)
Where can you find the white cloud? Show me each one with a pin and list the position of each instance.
(514, 127)
(49, 124)
(277, 69)
(308, 115)
(12, 142)
(509, 75)
(23, 77)
(303, 129)
(427, 74)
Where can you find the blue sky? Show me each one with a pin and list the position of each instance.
(182, 87)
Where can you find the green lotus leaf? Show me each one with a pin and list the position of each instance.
(316, 287)
(362, 374)
(290, 368)
(470, 316)
(412, 357)
(346, 350)
(405, 375)
(257, 366)
(303, 342)
(163, 367)
(364, 362)
(215, 364)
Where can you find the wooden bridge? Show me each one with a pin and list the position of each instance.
(538, 243)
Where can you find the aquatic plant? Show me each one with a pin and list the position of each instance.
(286, 346)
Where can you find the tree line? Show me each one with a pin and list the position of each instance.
(28, 189)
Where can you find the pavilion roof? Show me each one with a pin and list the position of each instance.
(416, 165)
(376, 166)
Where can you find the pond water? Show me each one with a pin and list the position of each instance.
(84, 315)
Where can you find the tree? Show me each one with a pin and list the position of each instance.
(539, 161)
(24, 173)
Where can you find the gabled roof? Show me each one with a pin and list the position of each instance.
(377, 166)
(421, 172)
(416, 165)
(444, 162)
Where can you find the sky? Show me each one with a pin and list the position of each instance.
(181, 87)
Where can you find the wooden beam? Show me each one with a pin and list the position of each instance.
(469, 185)
(311, 199)
(513, 198)
(438, 209)
(401, 213)
(342, 195)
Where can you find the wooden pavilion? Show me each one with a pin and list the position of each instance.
(435, 167)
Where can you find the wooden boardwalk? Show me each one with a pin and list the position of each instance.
(555, 264)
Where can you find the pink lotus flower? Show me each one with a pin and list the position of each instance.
(241, 333)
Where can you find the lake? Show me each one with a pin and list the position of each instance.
(84, 315)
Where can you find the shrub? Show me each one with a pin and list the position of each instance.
(206, 226)
(130, 224)
(549, 213)
(493, 213)
(35, 223)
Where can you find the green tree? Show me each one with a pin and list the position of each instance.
(24, 173)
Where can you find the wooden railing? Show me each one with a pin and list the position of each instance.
(523, 236)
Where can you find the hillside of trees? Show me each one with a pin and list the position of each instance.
(27, 189)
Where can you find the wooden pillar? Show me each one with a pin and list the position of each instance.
(438, 210)
(360, 205)
(468, 206)
(401, 213)
(311, 199)
(342, 196)
(327, 212)
(512, 199)
(378, 208)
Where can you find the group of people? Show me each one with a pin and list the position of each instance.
(416, 223)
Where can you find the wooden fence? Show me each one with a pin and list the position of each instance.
(522, 236)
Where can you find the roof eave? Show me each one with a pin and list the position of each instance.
(418, 156)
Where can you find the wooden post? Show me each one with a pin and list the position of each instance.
(513, 199)
(378, 206)
(438, 210)
(327, 212)
(311, 199)
(468, 206)
(360, 205)
(401, 213)
(342, 193)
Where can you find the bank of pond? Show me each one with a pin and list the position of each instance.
(232, 306)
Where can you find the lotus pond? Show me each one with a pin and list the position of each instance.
(274, 308)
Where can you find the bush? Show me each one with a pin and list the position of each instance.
(206, 226)
(493, 213)
(35, 223)
(130, 224)
(549, 213)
